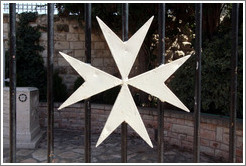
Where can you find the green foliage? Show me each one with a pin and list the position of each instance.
(30, 70)
(216, 75)
(30, 65)
(59, 89)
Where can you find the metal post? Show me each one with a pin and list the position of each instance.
(3, 61)
(50, 132)
(197, 107)
(12, 94)
(124, 124)
(234, 63)
(87, 102)
(161, 31)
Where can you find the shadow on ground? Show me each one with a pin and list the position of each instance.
(69, 148)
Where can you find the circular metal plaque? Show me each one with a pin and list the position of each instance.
(22, 97)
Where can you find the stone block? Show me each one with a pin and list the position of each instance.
(172, 120)
(72, 37)
(5, 18)
(62, 62)
(99, 45)
(82, 37)
(222, 154)
(96, 37)
(190, 138)
(109, 62)
(60, 37)
(44, 54)
(174, 141)
(239, 141)
(219, 133)
(226, 130)
(225, 138)
(75, 28)
(207, 134)
(207, 150)
(204, 142)
(28, 132)
(43, 44)
(239, 152)
(189, 123)
(79, 53)
(68, 52)
(208, 126)
(224, 147)
(239, 160)
(77, 45)
(62, 28)
(214, 144)
(5, 27)
(61, 45)
(183, 129)
(97, 62)
(186, 144)
(181, 121)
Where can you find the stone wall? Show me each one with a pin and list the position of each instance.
(69, 38)
(178, 127)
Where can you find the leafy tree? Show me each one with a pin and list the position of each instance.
(30, 66)
(216, 74)
(216, 46)
(30, 69)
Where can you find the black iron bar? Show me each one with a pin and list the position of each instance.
(125, 12)
(12, 90)
(50, 101)
(234, 63)
(197, 106)
(87, 101)
(161, 31)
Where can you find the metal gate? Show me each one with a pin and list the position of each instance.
(161, 22)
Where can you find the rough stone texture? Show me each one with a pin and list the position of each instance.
(69, 148)
(40, 154)
(27, 118)
(178, 127)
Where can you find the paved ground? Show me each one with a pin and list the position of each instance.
(69, 148)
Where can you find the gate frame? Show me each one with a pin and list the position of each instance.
(50, 131)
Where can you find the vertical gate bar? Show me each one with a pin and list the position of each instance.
(234, 63)
(125, 12)
(161, 31)
(3, 61)
(12, 94)
(197, 106)
(50, 131)
(87, 101)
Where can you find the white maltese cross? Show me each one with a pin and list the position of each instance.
(124, 108)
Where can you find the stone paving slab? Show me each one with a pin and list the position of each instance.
(69, 148)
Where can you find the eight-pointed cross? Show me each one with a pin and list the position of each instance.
(97, 81)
